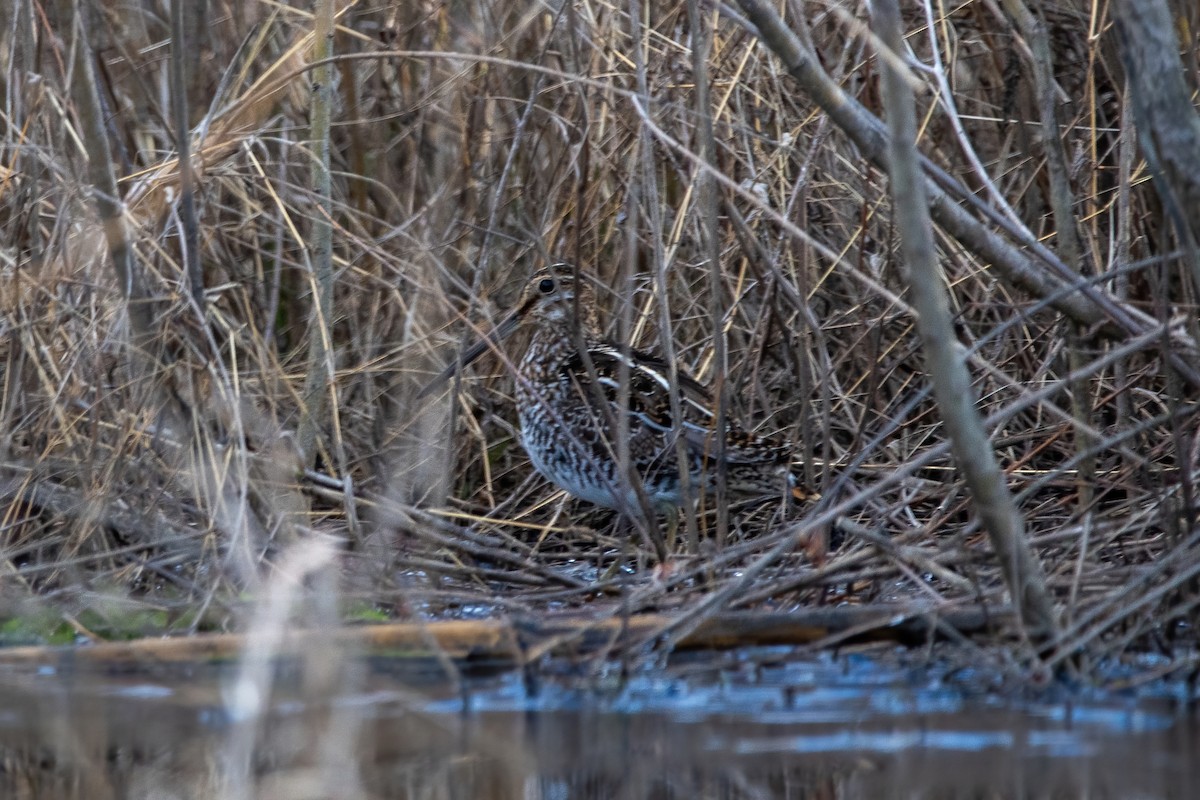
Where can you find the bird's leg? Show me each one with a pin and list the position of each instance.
(708, 548)
(624, 531)
(615, 566)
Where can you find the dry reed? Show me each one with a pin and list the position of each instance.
(472, 141)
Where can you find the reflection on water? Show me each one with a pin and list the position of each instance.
(704, 727)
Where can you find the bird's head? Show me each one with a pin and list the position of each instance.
(552, 298)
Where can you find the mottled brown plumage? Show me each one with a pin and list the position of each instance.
(569, 409)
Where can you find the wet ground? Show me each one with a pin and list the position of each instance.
(760, 723)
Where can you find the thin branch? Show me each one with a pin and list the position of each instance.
(317, 385)
(951, 382)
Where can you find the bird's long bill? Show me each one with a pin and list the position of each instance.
(481, 346)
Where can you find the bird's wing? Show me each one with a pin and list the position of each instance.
(649, 402)
(649, 386)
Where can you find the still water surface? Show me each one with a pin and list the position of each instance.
(758, 724)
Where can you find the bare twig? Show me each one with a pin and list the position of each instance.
(951, 382)
(317, 385)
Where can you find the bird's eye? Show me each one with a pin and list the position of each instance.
(545, 286)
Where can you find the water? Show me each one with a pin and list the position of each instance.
(753, 724)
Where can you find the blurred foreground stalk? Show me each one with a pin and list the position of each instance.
(103, 179)
(944, 358)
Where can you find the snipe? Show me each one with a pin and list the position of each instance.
(569, 399)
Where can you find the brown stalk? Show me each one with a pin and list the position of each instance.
(1089, 308)
(320, 349)
(102, 176)
(951, 382)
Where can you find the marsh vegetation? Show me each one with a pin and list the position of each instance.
(209, 416)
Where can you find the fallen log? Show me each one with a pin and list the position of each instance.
(519, 640)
